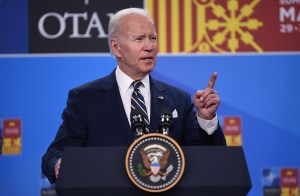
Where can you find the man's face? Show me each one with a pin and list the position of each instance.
(137, 48)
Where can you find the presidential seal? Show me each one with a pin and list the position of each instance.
(155, 162)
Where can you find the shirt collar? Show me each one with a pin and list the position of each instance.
(124, 81)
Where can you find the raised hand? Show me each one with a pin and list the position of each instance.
(207, 101)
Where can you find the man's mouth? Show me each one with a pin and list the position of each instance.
(147, 58)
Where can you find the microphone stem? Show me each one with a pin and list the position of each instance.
(165, 130)
(139, 132)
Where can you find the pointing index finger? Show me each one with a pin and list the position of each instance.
(212, 80)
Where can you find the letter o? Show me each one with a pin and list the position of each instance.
(62, 25)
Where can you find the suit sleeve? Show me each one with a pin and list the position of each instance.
(72, 132)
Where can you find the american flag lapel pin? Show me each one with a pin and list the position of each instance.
(160, 97)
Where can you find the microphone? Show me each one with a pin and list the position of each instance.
(137, 123)
(165, 124)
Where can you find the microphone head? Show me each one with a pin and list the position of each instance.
(136, 118)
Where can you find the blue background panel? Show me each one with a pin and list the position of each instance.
(261, 89)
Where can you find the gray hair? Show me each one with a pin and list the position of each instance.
(115, 22)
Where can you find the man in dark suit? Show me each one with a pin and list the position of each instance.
(98, 113)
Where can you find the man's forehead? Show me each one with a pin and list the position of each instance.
(138, 28)
(137, 19)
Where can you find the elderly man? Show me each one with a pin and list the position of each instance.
(98, 112)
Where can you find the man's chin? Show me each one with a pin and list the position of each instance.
(149, 69)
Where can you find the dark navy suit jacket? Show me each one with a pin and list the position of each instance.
(95, 116)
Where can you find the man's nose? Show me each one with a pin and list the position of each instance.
(148, 45)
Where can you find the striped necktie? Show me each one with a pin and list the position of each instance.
(138, 102)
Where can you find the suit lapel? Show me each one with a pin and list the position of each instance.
(113, 101)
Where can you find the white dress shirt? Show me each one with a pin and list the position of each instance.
(125, 88)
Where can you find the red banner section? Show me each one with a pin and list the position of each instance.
(233, 131)
(186, 26)
(289, 182)
(11, 137)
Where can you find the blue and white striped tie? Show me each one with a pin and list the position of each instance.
(138, 102)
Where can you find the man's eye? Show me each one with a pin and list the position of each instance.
(153, 38)
(139, 38)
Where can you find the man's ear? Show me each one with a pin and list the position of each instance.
(115, 47)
